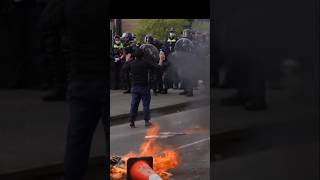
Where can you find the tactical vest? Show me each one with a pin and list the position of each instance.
(118, 46)
(171, 40)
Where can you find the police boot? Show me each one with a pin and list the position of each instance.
(155, 92)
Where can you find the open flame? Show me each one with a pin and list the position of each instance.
(164, 159)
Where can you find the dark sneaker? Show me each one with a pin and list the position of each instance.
(147, 124)
(189, 94)
(132, 125)
(183, 93)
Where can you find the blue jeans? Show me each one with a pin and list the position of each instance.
(88, 101)
(139, 92)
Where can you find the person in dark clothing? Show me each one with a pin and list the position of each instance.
(155, 76)
(125, 75)
(170, 78)
(171, 41)
(116, 63)
(167, 75)
(139, 68)
(182, 60)
(88, 81)
(56, 47)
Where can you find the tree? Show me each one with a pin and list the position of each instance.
(159, 28)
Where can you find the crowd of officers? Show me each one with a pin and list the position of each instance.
(161, 81)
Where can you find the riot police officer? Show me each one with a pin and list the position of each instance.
(127, 39)
(155, 76)
(116, 62)
(171, 41)
(167, 72)
(188, 33)
(183, 58)
(149, 39)
(125, 75)
(170, 77)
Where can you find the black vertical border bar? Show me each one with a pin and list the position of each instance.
(212, 20)
(316, 56)
(107, 107)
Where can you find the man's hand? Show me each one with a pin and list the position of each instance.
(116, 59)
(128, 57)
(162, 57)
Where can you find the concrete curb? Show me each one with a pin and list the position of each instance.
(160, 111)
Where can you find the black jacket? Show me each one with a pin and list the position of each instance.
(139, 69)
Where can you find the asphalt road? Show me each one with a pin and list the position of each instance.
(194, 148)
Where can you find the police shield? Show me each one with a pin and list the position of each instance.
(150, 51)
(184, 44)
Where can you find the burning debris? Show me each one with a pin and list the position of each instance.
(165, 135)
(163, 159)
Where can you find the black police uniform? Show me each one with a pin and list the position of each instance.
(156, 76)
(116, 65)
(125, 74)
(170, 77)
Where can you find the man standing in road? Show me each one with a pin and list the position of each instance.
(139, 68)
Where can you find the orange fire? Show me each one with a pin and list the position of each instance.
(164, 159)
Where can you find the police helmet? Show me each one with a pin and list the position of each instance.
(184, 45)
(187, 33)
(148, 39)
(127, 36)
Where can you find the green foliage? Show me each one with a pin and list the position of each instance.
(159, 27)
